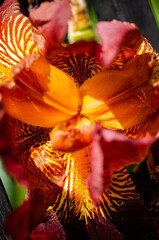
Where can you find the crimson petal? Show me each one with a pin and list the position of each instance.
(50, 229)
(17, 223)
(101, 228)
(7, 150)
(113, 35)
(112, 150)
(51, 20)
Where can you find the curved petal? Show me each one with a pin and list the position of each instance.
(51, 19)
(119, 99)
(15, 34)
(72, 135)
(113, 150)
(50, 229)
(113, 36)
(42, 97)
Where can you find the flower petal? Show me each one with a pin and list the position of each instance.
(50, 229)
(42, 97)
(101, 228)
(122, 204)
(20, 215)
(113, 150)
(8, 152)
(119, 99)
(72, 135)
(51, 19)
(15, 34)
(113, 35)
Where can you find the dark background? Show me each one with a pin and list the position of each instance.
(136, 11)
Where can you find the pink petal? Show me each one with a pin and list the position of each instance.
(51, 229)
(51, 19)
(112, 150)
(113, 35)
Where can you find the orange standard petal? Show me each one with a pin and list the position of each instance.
(120, 98)
(43, 95)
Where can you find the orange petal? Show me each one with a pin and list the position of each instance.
(23, 107)
(119, 99)
(44, 96)
(15, 34)
(72, 135)
(15, 38)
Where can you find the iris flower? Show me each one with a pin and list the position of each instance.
(79, 113)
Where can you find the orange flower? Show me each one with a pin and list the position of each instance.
(58, 95)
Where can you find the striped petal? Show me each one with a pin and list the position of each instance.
(42, 93)
(120, 98)
(121, 203)
(15, 35)
(45, 166)
(15, 39)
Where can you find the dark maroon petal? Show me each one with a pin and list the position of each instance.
(51, 229)
(17, 223)
(122, 204)
(113, 35)
(100, 228)
(51, 20)
(7, 150)
(112, 150)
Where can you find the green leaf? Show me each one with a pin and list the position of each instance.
(154, 4)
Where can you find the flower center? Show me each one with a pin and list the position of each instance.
(72, 135)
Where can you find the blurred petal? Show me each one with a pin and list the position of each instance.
(113, 151)
(17, 223)
(20, 223)
(15, 170)
(101, 228)
(113, 36)
(42, 97)
(15, 34)
(50, 229)
(119, 99)
(7, 150)
(51, 19)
